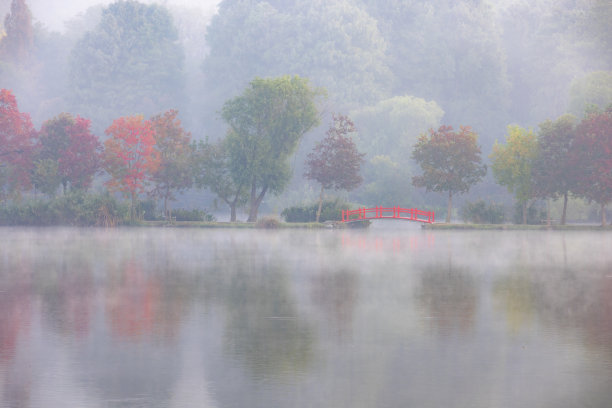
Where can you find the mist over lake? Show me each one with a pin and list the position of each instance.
(390, 316)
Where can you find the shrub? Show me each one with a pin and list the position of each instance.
(480, 212)
(192, 215)
(268, 223)
(74, 208)
(535, 214)
(330, 211)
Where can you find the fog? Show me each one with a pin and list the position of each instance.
(54, 15)
(397, 70)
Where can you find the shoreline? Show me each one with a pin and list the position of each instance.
(515, 227)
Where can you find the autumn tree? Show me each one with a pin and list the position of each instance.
(450, 162)
(591, 157)
(266, 124)
(130, 156)
(513, 162)
(67, 145)
(553, 175)
(16, 145)
(335, 161)
(16, 46)
(212, 170)
(173, 143)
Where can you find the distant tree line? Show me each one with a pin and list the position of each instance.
(396, 68)
(563, 158)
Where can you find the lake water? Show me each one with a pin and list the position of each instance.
(393, 316)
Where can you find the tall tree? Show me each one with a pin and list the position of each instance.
(594, 89)
(591, 157)
(513, 162)
(335, 161)
(553, 174)
(212, 170)
(130, 62)
(68, 142)
(18, 43)
(334, 43)
(130, 156)
(450, 162)
(266, 124)
(173, 143)
(17, 137)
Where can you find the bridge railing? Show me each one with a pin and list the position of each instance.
(411, 214)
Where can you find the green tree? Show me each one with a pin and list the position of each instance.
(553, 175)
(18, 43)
(46, 177)
(448, 51)
(130, 62)
(212, 170)
(174, 173)
(450, 161)
(335, 161)
(334, 43)
(393, 125)
(594, 89)
(266, 124)
(512, 164)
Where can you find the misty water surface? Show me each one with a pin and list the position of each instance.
(388, 317)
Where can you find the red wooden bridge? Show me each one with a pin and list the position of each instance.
(410, 214)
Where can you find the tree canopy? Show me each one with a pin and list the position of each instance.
(266, 123)
(513, 162)
(553, 174)
(335, 161)
(591, 157)
(131, 62)
(334, 43)
(17, 137)
(450, 161)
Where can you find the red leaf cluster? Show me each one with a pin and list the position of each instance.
(16, 142)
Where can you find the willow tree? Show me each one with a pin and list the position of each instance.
(450, 162)
(266, 124)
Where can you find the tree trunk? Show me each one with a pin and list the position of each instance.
(233, 212)
(320, 205)
(449, 210)
(255, 202)
(603, 215)
(133, 206)
(564, 214)
(524, 212)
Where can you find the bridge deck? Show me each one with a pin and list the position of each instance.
(409, 214)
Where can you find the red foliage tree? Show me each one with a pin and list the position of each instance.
(173, 143)
(591, 158)
(335, 162)
(450, 161)
(16, 145)
(69, 142)
(130, 156)
(552, 172)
